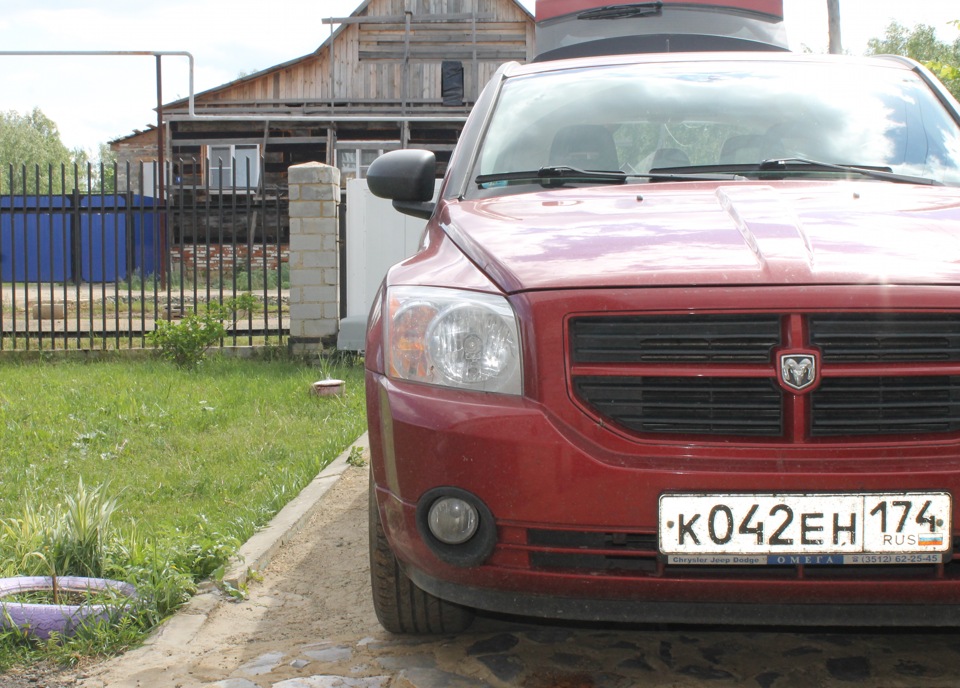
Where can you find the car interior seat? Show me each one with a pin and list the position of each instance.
(669, 157)
(585, 147)
(742, 149)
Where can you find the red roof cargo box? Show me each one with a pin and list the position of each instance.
(575, 28)
(550, 9)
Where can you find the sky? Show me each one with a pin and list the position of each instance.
(95, 99)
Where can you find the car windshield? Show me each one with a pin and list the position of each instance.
(722, 117)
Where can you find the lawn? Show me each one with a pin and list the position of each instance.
(195, 460)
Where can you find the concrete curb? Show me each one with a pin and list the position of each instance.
(253, 556)
(256, 553)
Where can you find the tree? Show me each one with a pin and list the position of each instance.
(33, 159)
(101, 172)
(107, 161)
(949, 72)
(921, 44)
(30, 142)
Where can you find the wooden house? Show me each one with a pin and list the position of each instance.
(394, 74)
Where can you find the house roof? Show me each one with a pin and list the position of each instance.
(316, 53)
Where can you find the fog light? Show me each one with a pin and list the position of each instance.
(457, 526)
(453, 521)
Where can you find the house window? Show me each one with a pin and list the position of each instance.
(149, 178)
(353, 163)
(233, 167)
(354, 157)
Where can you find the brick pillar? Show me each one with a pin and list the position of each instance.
(314, 256)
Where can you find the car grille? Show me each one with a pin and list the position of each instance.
(874, 406)
(683, 405)
(714, 374)
(635, 554)
(707, 338)
(898, 338)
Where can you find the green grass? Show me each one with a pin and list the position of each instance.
(195, 461)
(218, 445)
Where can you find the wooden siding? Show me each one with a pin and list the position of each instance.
(373, 87)
(433, 41)
(379, 62)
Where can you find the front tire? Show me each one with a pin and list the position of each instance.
(401, 606)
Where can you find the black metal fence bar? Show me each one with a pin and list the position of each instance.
(92, 258)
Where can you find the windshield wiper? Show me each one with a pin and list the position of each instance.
(561, 174)
(884, 173)
(634, 9)
(777, 166)
(555, 175)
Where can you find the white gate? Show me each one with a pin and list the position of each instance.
(377, 237)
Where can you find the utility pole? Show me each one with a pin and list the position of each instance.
(833, 21)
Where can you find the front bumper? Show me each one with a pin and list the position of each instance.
(679, 612)
(576, 520)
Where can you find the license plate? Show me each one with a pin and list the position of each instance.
(814, 529)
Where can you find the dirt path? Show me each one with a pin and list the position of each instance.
(316, 588)
(309, 623)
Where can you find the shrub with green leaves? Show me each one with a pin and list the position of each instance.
(69, 539)
(185, 342)
(79, 538)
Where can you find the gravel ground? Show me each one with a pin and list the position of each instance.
(44, 675)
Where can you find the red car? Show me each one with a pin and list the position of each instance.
(681, 344)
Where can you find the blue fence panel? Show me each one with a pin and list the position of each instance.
(146, 221)
(103, 239)
(35, 237)
(109, 228)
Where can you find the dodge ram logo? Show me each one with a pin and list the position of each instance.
(798, 372)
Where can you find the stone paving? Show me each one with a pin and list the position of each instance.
(501, 653)
(309, 623)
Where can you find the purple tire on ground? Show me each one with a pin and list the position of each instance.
(40, 620)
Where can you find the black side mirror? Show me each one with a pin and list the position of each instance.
(406, 177)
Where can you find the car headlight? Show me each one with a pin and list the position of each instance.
(453, 338)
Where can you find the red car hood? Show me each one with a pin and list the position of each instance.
(714, 234)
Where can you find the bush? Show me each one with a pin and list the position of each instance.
(80, 539)
(186, 342)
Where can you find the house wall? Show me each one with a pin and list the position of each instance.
(369, 62)
(131, 152)
(225, 257)
(355, 97)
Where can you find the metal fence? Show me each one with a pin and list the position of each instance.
(91, 258)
